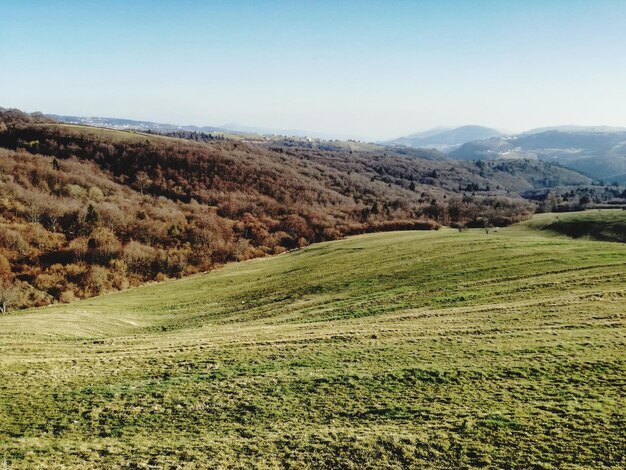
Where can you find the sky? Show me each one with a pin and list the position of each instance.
(365, 69)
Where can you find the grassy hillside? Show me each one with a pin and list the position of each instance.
(403, 349)
(606, 225)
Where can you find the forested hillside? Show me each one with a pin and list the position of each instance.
(86, 210)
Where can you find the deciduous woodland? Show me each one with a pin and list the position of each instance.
(84, 210)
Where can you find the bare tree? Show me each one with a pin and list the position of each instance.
(143, 180)
(8, 293)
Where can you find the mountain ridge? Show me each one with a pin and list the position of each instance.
(446, 138)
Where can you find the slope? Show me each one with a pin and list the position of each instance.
(394, 350)
(597, 225)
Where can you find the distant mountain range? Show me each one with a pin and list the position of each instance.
(576, 129)
(599, 153)
(446, 139)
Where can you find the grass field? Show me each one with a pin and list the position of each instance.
(398, 350)
(606, 225)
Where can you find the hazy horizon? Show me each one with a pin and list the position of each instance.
(235, 126)
(371, 70)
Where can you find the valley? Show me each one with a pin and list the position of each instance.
(85, 210)
(312, 235)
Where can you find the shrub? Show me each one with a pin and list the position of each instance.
(5, 268)
(67, 296)
(74, 191)
(98, 280)
(104, 245)
(96, 194)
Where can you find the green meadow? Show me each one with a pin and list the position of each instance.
(606, 225)
(439, 349)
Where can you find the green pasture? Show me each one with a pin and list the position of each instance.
(439, 349)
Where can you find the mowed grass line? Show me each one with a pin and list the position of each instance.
(395, 350)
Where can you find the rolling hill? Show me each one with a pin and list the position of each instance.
(400, 350)
(595, 225)
(86, 210)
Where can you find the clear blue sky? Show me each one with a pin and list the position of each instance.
(371, 69)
